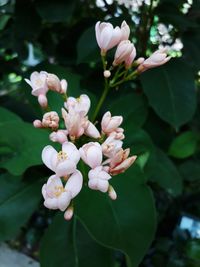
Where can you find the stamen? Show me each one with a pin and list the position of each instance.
(62, 156)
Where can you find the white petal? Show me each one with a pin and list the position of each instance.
(64, 200)
(74, 183)
(47, 154)
(65, 168)
(72, 151)
(51, 203)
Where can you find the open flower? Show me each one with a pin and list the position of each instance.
(91, 154)
(158, 58)
(76, 123)
(111, 146)
(98, 179)
(64, 162)
(57, 196)
(38, 82)
(109, 123)
(79, 105)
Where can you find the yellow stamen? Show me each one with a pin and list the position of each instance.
(62, 155)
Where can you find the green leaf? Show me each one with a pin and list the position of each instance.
(190, 170)
(3, 21)
(55, 11)
(185, 145)
(89, 52)
(8, 116)
(21, 146)
(127, 224)
(171, 92)
(162, 171)
(132, 107)
(18, 200)
(79, 248)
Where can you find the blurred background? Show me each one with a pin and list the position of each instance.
(160, 109)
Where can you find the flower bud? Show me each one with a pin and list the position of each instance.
(53, 83)
(125, 31)
(109, 123)
(98, 179)
(158, 58)
(129, 60)
(42, 99)
(60, 136)
(69, 213)
(111, 192)
(106, 73)
(107, 36)
(123, 52)
(92, 131)
(37, 124)
(91, 154)
(50, 120)
(64, 86)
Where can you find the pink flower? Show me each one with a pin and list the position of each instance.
(38, 82)
(129, 60)
(111, 146)
(79, 105)
(75, 123)
(56, 196)
(107, 36)
(121, 162)
(98, 179)
(91, 154)
(64, 162)
(54, 84)
(92, 131)
(109, 123)
(50, 120)
(117, 134)
(124, 52)
(125, 31)
(60, 136)
(158, 58)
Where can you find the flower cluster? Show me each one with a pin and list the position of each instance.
(103, 153)
(108, 37)
(101, 149)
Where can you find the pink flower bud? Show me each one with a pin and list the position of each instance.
(98, 179)
(107, 36)
(91, 154)
(42, 99)
(140, 60)
(109, 123)
(123, 52)
(111, 192)
(60, 136)
(50, 120)
(118, 134)
(92, 131)
(125, 31)
(53, 82)
(37, 124)
(106, 73)
(69, 213)
(158, 58)
(129, 60)
(64, 86)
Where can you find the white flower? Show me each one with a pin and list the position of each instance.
(98, 179)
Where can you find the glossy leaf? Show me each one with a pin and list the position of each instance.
(66, 243)
(127, 224)
(162, 171)
(171, 92)
(21, 146)
(18, 200)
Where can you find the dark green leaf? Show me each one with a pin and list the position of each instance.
(21, 146)
(190, 170)
(127, 224)
(68, 244)
(171, 92)
(18, 200)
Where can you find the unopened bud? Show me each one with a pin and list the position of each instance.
(139, 61)
(69, 213)
(106, 73)
(111, 192)
(64, 85)
(37, 124)
(42, 99)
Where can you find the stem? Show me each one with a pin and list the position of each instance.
(101, 100)
(129, 77)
